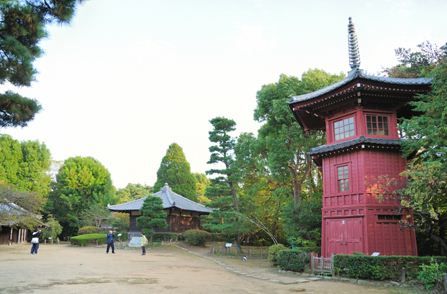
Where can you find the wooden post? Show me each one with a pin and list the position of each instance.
(402, 275)
(445, 282)
(332, 265)
(10, 235)
(312, 263)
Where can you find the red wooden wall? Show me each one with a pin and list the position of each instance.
(360, 219)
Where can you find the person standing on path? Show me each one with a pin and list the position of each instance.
(110, 242)
(144, 242)
(35, 241)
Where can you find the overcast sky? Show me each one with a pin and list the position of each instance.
(127, 78)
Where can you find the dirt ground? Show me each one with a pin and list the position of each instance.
(165, 269)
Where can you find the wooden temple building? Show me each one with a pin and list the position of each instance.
(182, 213)
(11, 230)
(360, 116)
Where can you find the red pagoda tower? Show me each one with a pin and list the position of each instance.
(360, 115)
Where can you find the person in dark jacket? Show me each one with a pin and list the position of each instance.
(110, 242)
(35, 241)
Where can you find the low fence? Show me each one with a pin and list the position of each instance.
(248, 251)
(321, 265)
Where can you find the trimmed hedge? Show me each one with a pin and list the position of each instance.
(381, 267)
(196, 237)
(273, 252)
(83, 240)
(293, 260)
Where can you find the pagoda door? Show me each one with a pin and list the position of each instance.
(344, 236)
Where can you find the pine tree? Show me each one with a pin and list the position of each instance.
(227, 219)
(222, 153)
(176, 172)
(22, 26)
(152, 217)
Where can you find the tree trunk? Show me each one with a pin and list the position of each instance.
(442, 231)
(234, 195)
(296, 188)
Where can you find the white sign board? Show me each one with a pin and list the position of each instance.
(135, 242)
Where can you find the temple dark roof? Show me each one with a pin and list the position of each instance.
(360, 74)
(13, 211)
(168, 197)
(361, 141)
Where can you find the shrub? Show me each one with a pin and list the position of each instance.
(165, 236)
(218, 237)
(52, 229)
(88, 230)
(273, 252)
(292, 260)
(380, 267)
(83, 240)
(196, 237)
(431, 274)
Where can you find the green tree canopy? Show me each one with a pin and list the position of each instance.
(22, 26)
(52, 229)
(153, 217)
(132, 192)
(414, 64)
(176, 172)
(202, 182)
(227, 219)
(284, 143)
(82, 182)
(426, 137)
(222, 157)
(24, 165)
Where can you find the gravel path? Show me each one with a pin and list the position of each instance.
(166, 269)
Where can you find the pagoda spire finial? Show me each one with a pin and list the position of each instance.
(354, 54)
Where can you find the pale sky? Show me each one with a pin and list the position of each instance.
(127, 78)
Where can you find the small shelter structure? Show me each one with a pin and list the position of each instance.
(360, 115)
(11, 231)
(182, 213)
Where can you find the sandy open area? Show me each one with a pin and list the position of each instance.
(166, 269)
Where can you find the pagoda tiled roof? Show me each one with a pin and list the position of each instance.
(361, 74)
(169, 199)
(361, 142)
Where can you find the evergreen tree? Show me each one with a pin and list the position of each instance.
(22, 26)
(227, 219)
(176, 172)
(222, 156)
(153, 216)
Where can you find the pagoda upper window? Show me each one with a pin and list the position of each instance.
(343, 178)
(377, 125)
(344, 128)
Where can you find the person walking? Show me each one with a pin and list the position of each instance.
(35, 241)
(110, 242)
(144, 242)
